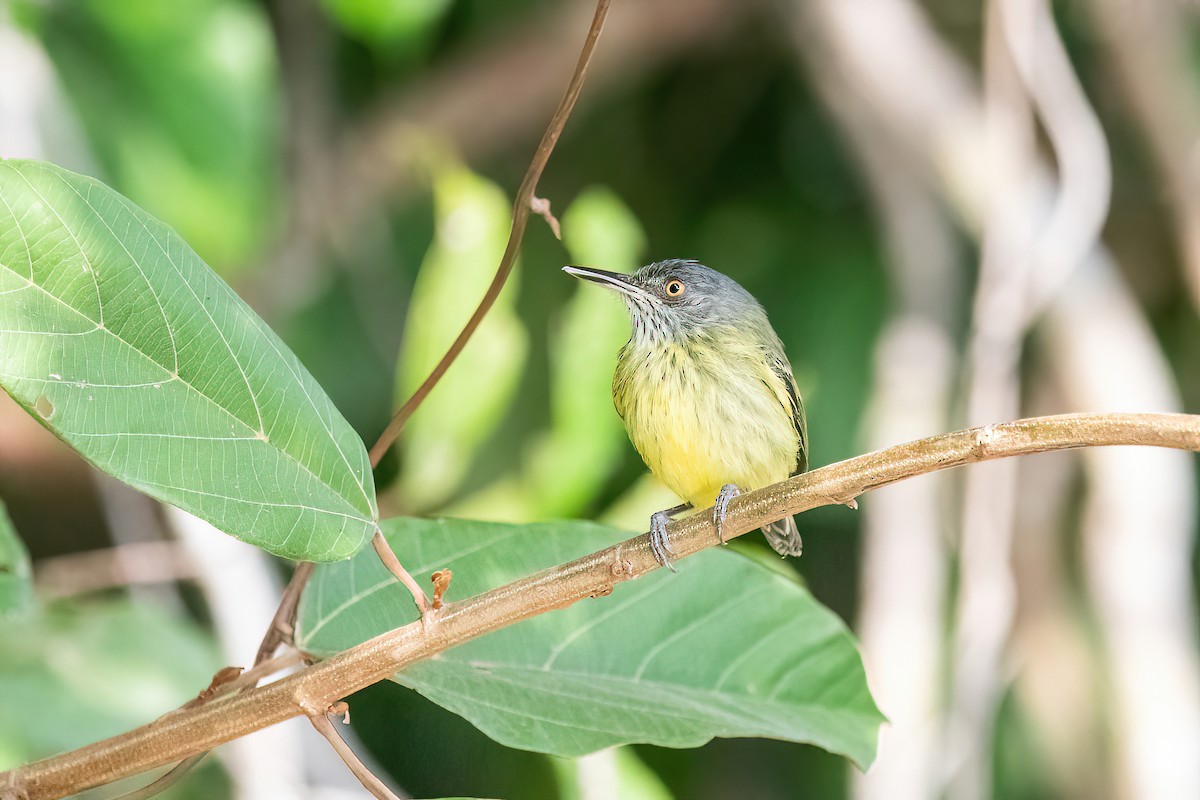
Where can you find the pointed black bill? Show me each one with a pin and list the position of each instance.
(613, 280)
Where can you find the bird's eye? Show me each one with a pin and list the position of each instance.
(674, 287)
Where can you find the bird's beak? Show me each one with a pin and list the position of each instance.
(613, 280)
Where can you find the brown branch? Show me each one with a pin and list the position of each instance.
(178, 735)
(522, 205)
(251, 677)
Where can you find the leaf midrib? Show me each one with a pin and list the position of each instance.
(701, 711)
(496, 669)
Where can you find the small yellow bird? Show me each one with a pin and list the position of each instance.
(706, 392)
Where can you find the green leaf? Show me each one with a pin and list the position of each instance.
(180, 104)
(120, 340)
(441, 439)
(586, 439)
(667, 659)
(388, 23)
(632, 778)
(16, 581)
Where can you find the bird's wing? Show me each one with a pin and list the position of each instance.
(795, 407)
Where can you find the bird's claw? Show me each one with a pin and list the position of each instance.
(658, 539)
(721, 508)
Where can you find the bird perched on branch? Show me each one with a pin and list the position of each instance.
(706, 392)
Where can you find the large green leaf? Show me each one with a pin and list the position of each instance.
(725, 648)
(118, 338)
(16, 586)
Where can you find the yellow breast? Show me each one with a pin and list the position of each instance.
(703, 414)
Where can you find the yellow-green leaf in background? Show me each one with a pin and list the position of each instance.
(618, 768)
(16, 587)
(472, 223)
(179, 102)
(586, 438)
(389, 24)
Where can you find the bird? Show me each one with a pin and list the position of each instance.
(706, 393)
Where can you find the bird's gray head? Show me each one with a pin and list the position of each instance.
(678, 299)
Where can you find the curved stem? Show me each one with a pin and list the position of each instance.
(523, 203)
(183, 733)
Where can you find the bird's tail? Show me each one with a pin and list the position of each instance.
(784, 537)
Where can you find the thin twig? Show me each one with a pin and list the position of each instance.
(372, 168)
(368, 779)
(166, 780)
(522, 205)
(132, 563)
(283, 623)
(224, 677)
(389, 559)
(252, 676)
(179, 735)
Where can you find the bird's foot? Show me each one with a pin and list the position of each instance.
(721, 508)
(658, 539)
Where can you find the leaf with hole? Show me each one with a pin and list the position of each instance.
(725, 648)
(118, 338)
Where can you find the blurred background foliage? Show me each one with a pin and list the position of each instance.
(348, 165)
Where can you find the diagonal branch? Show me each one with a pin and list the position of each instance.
(524, 202)
(186, 732)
